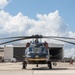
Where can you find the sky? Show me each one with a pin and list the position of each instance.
(44, 17)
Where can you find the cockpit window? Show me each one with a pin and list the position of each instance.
(44, 50)
(30, 49)
(38, 50)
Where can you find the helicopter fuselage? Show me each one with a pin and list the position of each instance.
(36, 55)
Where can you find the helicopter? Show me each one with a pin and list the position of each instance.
(37, 52)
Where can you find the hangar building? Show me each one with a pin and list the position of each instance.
(17, 51)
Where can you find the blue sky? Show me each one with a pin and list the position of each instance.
(30, 8)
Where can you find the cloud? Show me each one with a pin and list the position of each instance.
(3, 3)
(69, 52)
(51, 24)
(46, 24)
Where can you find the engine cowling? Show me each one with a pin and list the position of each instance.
(27, 45)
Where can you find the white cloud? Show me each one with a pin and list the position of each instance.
(47, 24)
(71, 34)
(51, 24)
(69, 52)
(3, 3)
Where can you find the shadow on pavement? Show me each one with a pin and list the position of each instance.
(45, 68)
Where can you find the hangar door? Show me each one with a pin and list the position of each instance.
(18, 53)
(56, 54)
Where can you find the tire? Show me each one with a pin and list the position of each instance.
(49, 65)
(24, 65)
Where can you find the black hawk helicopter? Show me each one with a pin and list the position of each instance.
(38, 52)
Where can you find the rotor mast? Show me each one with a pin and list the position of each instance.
(37, 37)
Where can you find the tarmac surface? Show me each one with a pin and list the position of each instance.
(16, 69)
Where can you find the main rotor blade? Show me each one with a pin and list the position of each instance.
(27, 37)
(37, 36)
(58, 37)
(65, 41)
(15, 37)
(34, 37)
(12, 41)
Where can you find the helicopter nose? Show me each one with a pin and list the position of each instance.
(37, 56)
(42, 55)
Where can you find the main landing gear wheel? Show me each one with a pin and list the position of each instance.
(37, 65)
(49, 65)
(24, 65)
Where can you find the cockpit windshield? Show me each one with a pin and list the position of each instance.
(38, 50)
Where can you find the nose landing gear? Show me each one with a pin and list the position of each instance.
(37, 65)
